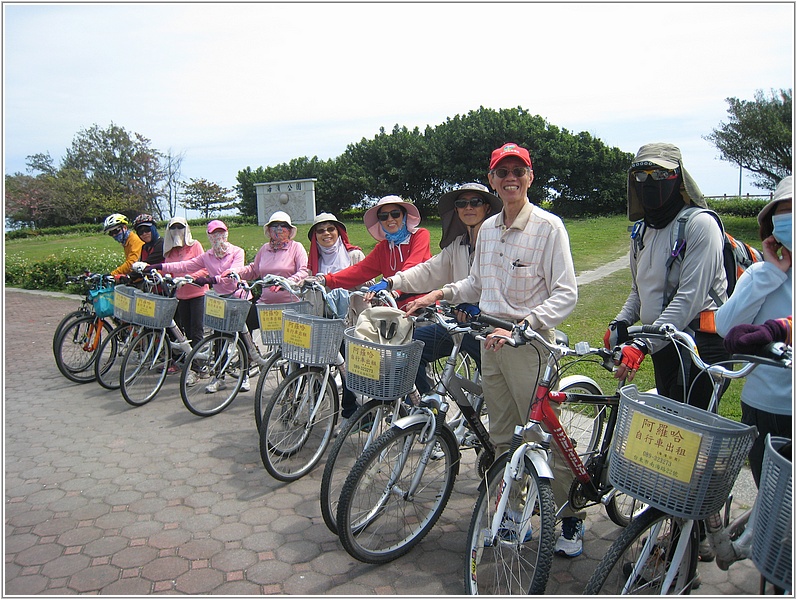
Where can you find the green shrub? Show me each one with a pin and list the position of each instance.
(737, 207)
(51, 272)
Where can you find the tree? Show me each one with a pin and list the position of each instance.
(207, 197)
(758, 136)
(172, 163)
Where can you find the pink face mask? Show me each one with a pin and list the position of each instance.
(279, 236)
(218, 242)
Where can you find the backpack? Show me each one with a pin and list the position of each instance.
(736, 257)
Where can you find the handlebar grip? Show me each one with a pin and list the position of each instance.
(495, 322)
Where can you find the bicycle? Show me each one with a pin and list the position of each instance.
(228, 355)
(511, 534)
(79, 335)
(397, 490)
(657, 553)
(145, 363)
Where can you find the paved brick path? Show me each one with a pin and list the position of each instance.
(104, 498)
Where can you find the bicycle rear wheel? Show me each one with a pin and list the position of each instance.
(65, 322)
(271, 376)
(213, 374)
(77, 347)
(298, 423)
(377, 521)
(108, 365)
(144, 367)
(368, 422)
(509, 565)
(638, 560)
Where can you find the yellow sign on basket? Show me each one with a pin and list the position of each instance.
(364, 361)
(297, 334)
(270, 319)
(215, 307)
(121, 302)
(662, 447)
(145, 307)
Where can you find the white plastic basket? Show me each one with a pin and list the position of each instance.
(381, 371)
(270, 318)
(149, 310)
(772, 517)
(225, 314)
(678, 458)
(310, 340)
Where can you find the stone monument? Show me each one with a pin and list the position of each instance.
(295, 197)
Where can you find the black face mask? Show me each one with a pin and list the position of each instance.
(661, 200)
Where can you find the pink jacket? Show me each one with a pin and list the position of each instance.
(234, 259)
(184, 253)
(290, 263)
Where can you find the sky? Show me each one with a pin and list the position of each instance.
(236, 85)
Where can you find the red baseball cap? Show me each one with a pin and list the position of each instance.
(509, 149)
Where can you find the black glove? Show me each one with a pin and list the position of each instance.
(204, 280)
(616, 334)
(469, 309)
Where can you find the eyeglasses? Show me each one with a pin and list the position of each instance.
(384, 216)
(321, 230)
(177, 226)
(115, 232)
(278, 224)
(656, 174)
(143, 231)
(463, 202)
(518, 172)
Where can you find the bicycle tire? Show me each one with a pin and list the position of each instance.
(291, 444)
(367, 423)
(622, 508)
(144, 367)
(614, 571)
(68, 319)
(218, 357)
(506, 566)
(376, 522)
(584, 423)
(271, 375)
(77, 348)
(108, 364)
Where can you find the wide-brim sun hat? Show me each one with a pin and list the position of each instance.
(324, 217)
(373, 225)
(216, 224)
(280, 217)
(667, 156)
(782, 192)
(452, 226)
(167, 238)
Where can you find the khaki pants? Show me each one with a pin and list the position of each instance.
(509, 381)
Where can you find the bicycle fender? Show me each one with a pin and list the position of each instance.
(540, 462)
(409, 420)
(577, 380)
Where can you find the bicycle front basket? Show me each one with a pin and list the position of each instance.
(149, 310)
(678, 458)
(381, 371)
(270, 317)
(310, 340)
(225, 314)
(771, 520)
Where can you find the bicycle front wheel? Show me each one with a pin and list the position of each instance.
(519, 559)
(213, 374)
(297, 423)
(108, 365)
(77, 347)
(271, 376)
(583, 422)
(65, 322)
(622, 508)
(144, 367)
(368, 422)
(638, 561)
(381, 514)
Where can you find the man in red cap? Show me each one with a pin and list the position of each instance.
(522, 271)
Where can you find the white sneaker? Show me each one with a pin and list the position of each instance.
(570, 543)
(191, 379)
(215, 385)
(245, 387)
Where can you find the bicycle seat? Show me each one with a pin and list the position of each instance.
(561, 338)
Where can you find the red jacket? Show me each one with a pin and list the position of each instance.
(385, 261)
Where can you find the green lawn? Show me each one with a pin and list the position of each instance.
(593, 242)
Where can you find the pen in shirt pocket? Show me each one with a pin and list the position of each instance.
(517, 263)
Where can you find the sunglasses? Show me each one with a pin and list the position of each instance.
(115, 232)
(177, 226)
(656, 174)
(143, 231)
(384, 216)
(278, 224)
(321, 230)
(518, 172)
(463, 202)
